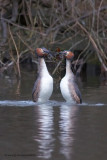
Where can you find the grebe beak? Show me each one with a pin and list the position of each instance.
(46, 50)
(62, 54)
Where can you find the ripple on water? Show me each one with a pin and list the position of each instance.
(27, 103)
(16, 103)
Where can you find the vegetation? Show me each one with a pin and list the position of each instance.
(28, 24)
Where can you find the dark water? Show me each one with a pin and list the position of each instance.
(55, 130)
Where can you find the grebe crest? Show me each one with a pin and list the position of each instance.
(68, 54)
(41, 52)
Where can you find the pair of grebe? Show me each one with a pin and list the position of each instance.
(43, 86)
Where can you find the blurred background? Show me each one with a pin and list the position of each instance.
(78, 25)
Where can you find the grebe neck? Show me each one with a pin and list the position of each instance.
(68, 68)
(42, 66)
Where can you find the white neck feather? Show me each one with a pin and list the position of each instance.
(42, 67)
(68, 67)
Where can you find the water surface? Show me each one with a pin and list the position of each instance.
(54, 130)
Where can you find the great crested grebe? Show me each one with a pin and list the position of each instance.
(43, 86)
(68, 85)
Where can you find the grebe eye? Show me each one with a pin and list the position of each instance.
(67, 52)
(41, 50)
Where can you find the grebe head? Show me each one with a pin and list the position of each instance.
(42, 52)
(68, 54)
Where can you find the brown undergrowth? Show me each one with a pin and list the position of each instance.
(75, 25)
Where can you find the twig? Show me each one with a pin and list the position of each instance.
(17, 62)
(56, 67)
(6, 66)
(98, 52)
(25, 44)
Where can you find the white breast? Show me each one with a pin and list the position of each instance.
(46, 83)
(46, 88)
(65, 90)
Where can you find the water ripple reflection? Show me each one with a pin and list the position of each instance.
(45, 131)
(67, 128)
(50, 120)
